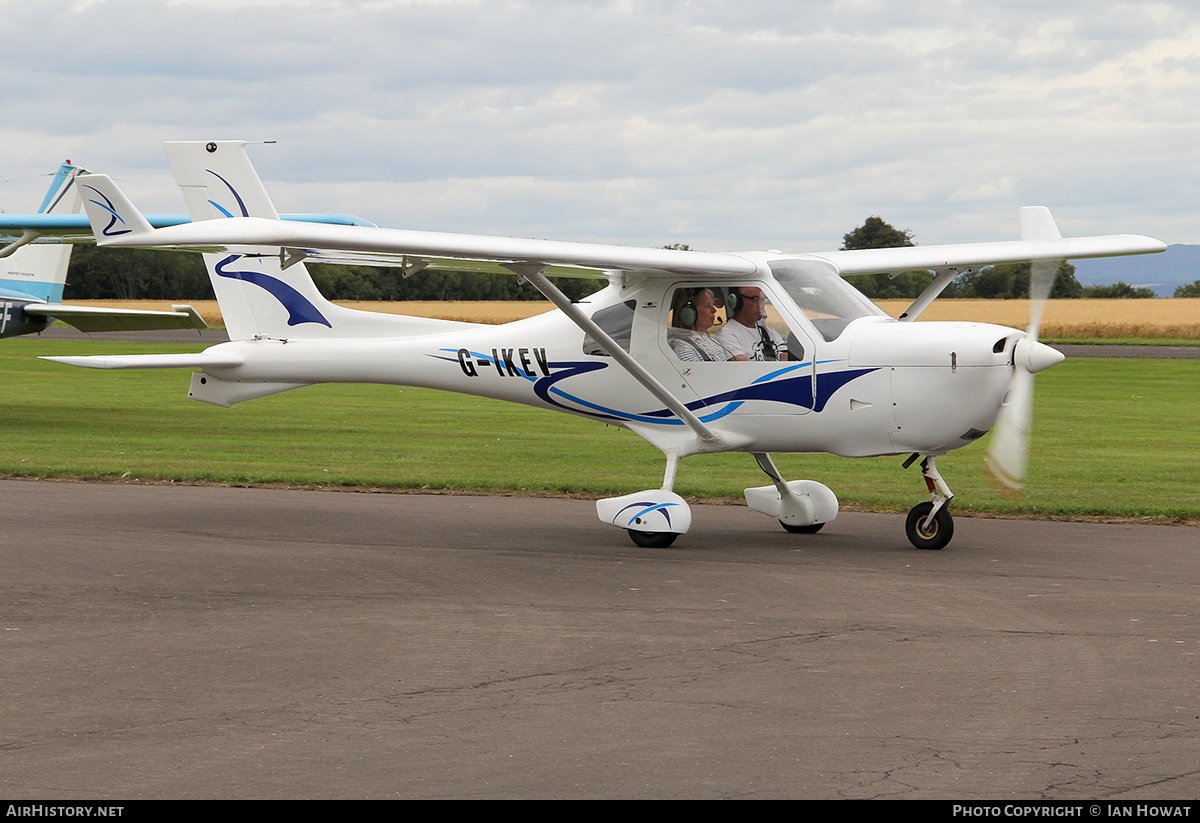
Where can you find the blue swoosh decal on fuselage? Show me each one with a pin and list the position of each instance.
(794, 391)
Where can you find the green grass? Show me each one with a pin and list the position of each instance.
(1113, 438)
(1124, 341)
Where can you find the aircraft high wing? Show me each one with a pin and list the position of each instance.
(825, 370)
(418, 249)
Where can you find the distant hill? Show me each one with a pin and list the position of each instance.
(1177, 266)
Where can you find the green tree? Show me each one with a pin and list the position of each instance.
(1190, 290)
(135, 274)
(877, 233)
(1120, 289)
(1006, 281)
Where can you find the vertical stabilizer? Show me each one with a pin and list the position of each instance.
(63, 196)
(258, 297)
(38, 272)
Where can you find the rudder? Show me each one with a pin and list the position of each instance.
(258, 297)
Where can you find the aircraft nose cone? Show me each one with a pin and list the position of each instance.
(1035, 357)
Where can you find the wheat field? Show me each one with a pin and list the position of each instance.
(1164, 318)
(1167, 318)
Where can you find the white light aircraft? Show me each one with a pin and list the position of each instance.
(838, 376)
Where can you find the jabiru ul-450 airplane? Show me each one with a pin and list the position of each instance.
(827, 372)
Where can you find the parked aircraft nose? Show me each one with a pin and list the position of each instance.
(1035, 357)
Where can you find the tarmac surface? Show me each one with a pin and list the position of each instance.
(206, 642)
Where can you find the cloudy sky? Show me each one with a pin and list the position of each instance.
(724, 125)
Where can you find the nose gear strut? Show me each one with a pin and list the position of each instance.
(929, 525)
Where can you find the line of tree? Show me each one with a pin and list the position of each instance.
(143, 274)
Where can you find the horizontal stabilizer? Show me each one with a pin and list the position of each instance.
(90, 319)
(200, 360)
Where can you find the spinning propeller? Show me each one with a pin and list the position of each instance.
(1008, 456)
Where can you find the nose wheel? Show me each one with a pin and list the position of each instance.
(927, 532)
(929, 525)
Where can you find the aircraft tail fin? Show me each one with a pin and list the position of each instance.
(39, 272)
(266, 292)
(111, 213)
(63, 196)
(257, 296)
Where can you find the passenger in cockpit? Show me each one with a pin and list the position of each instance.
(694, 311)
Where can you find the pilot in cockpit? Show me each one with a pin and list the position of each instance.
(747, 335)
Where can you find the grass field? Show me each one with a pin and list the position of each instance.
(1114, 439)
(1165, 320)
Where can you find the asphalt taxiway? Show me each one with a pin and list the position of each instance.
(177, 642)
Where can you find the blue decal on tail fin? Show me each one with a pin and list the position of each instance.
(241, 203)
(300, 309)
(107, 205)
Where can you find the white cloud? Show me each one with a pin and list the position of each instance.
(722, 125)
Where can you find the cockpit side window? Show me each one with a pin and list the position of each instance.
(728, 323)
(617, 323)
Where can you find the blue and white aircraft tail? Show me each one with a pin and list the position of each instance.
(263, 292)
(32, 277)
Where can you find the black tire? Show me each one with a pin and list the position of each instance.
(811, 529)
(940, 530)
(652, 540)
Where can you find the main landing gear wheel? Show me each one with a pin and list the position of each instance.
(934, 536)
(810, 529)
(652, 540)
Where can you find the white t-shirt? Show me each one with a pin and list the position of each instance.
(739, 339)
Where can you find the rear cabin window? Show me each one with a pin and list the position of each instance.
(617, 322)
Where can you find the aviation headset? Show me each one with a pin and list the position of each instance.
(685, 310)
(733, 301)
